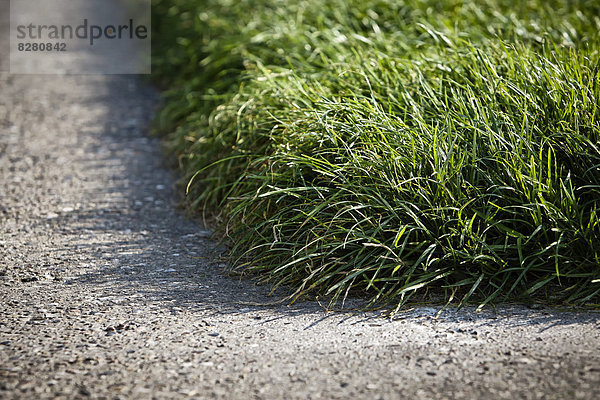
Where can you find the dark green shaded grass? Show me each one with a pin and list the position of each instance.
(390, 148)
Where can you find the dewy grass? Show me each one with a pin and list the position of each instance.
(391, 148)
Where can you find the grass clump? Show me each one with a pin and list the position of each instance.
(393, 147)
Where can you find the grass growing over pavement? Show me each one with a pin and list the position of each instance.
(392, 147)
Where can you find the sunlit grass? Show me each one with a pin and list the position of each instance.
(390, 147)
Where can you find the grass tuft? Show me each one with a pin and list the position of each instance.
(391, 148)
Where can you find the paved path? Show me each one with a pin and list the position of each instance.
(107, 291)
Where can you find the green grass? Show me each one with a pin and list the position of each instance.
(392, 148)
